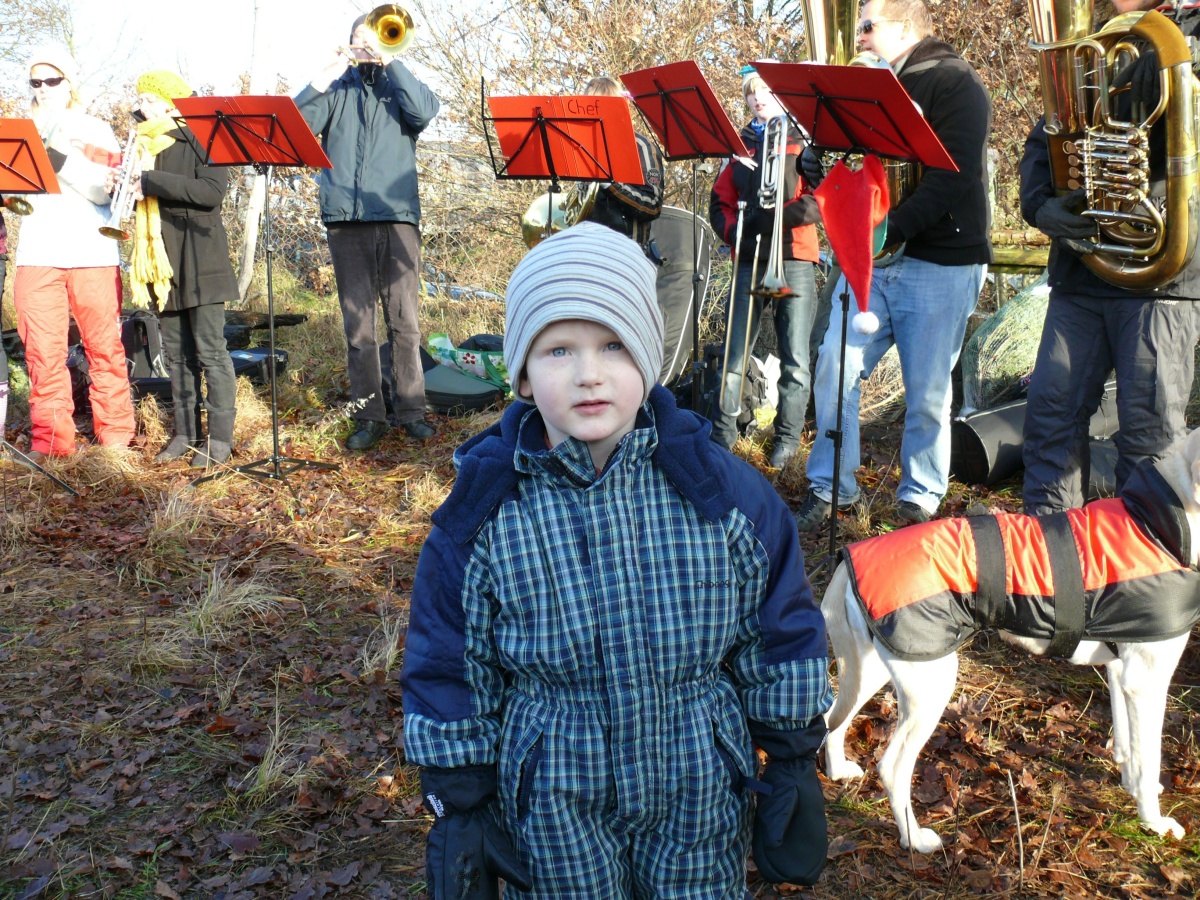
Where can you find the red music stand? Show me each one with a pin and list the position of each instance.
(24, 169)
(568, 138)
(855, 109)
(261, 132)
(24, 166)
(680, 105)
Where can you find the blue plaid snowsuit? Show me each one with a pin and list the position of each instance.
(606, 640)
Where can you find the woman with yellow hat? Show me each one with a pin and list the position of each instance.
(180, 265)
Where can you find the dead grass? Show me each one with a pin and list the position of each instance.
(381, 649)
(226, 603)
(242, 639)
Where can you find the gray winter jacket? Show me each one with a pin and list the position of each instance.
(369, 130)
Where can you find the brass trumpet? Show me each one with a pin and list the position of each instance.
(121, 207)
(391, 33)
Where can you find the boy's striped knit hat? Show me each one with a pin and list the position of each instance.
(586, 272)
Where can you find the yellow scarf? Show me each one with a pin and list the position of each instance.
(149, 266)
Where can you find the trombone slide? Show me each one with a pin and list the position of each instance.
(773, 189)
(729, 400)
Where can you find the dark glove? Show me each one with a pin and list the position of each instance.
(57, 159)
(1056, 219)
(810, 166)
(759, 221)
(1144, 85)
(467, 848)
(791, 837)
(801, 211)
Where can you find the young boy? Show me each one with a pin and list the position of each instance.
(609, 609)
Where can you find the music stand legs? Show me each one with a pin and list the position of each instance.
(273, 467)
(835, 435)
(7, 449)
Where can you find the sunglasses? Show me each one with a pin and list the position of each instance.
(868, 25)
(48, 82)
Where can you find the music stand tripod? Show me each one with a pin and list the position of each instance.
(680, 105)
(24, 169)
(263, 133)
(852, 109)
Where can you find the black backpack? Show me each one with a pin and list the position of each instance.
(754, 388)
(143, 344)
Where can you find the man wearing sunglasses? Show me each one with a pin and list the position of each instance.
(924, 297)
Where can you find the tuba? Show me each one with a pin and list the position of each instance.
(18, 206)
(832, 30)
(570, 208)
(1147, 232)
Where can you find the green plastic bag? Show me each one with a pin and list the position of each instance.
(487, 365)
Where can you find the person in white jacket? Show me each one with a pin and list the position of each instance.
(66, 269)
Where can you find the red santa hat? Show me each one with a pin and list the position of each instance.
(854, 206)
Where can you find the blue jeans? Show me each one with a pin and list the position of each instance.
(793, 323)
(923, 310)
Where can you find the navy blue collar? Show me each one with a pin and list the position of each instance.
(487, 474)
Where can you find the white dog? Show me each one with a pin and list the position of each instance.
(874, 645)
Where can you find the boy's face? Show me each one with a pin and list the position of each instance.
(585, 383)
(764, 104)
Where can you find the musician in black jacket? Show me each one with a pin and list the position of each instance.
(180, 267)
(924, 297)
(1148, 335)
(630, 208)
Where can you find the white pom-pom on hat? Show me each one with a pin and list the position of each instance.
(865, 322)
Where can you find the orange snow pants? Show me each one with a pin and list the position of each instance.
(46, 299)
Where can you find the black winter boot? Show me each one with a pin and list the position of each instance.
(185, 400)
(219, 447)
(180, 445)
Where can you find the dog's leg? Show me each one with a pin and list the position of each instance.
(922, 691)
(1143, 679)
(1114, 671)
(860, 671)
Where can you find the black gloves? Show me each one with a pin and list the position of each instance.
(759, 221)
(1144, 85)
(467, 848)
(810, 166)
(801, 211)
(1056, 220)
(57, 158)
(790, 833)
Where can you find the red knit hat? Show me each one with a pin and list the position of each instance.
(854, 206)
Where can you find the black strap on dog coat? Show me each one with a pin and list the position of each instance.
(1068, 585)
(990, 595)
